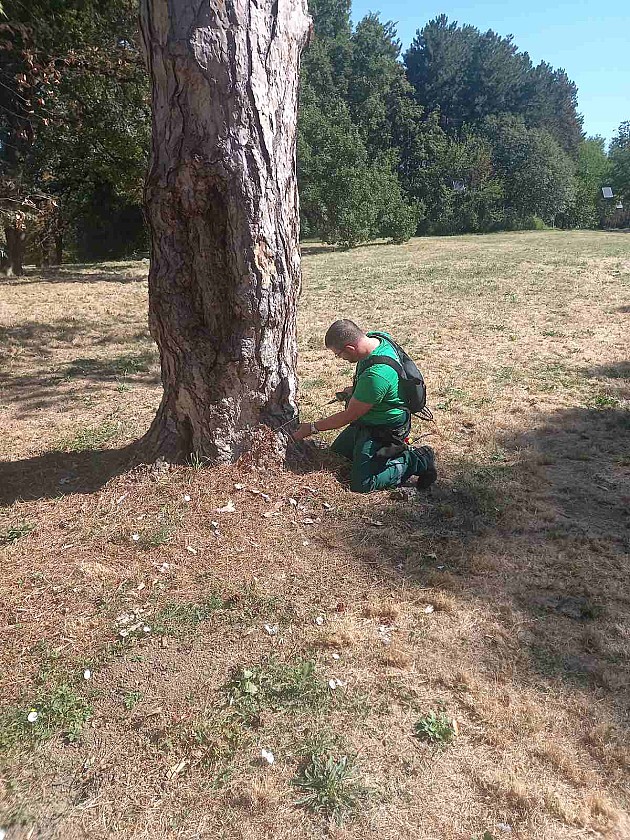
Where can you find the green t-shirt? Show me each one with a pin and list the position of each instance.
(379, 387)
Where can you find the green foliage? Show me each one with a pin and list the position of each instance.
(381, 144)
(592, 173)
(355, 108)
(91, 437)
(58, 711)
(83, 141)
(174, 619)
(329, 786)
(131, 699)
(274, 685)
(13, 534)
(435, 727)
(537, 174)
(620, 161)
(346, 197)
(470, 75)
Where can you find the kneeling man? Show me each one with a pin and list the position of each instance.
(378, 421)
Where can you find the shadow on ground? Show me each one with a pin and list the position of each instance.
(542, 537)
(78, 273)
(35, 379)
(55, 474)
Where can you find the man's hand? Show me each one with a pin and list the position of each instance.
(302, 431)
(352, 412)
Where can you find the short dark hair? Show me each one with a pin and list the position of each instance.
(341, 333)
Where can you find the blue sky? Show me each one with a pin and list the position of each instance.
(590, 40)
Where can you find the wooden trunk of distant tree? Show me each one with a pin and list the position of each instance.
(222, 206)
(16, 246)
(58, 250)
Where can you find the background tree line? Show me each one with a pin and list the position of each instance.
(464, 134)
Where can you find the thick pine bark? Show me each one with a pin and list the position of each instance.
(16, 245)
(222, 206)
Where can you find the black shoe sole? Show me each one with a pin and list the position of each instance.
(427, 478)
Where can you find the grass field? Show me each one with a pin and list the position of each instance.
(451, 666)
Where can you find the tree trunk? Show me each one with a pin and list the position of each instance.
(222, 207)
(58, 249)
(16, 244)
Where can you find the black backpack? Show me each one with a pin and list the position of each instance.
(412, 387)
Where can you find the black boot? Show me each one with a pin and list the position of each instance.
(428, 475)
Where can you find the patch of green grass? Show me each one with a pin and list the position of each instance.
(131, 699)
(160, 536)
(451, 396)
(320, 742)
(175, 619)
(216, 740)
(435, 727)
(482, 488)
(554, 375)
(198, 461)
(124, 365)
(274, 685)
(313, 384)
(13, 534)
(604, 401)
(91, 437)
(59, 710)
(329, 786)
(252, 604)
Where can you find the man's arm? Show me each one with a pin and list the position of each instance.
(354, 410)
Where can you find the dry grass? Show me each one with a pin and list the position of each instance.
(521, 549)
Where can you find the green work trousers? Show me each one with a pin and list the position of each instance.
(370, 472)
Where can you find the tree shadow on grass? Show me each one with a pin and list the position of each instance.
(61, 473)
(37, 339)
(314, 249)
(78, 273)
(542, 533)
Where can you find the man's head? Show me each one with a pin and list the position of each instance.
(348, 341)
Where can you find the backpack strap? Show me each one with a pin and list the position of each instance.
(383, 337)
(386, 360)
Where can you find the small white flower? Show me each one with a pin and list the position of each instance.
(146, 629)
(267, 756)
(187, 498)
(429, 609)
(305, 543)
(336, 656)
(32, 716)
(319, 620)
(87, 674)
(135, 537)
(335, 683)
